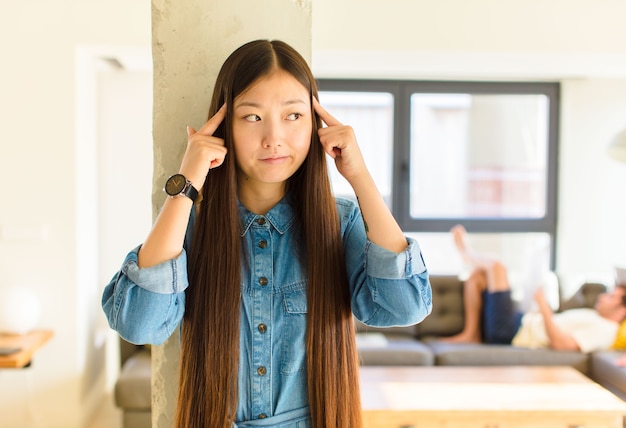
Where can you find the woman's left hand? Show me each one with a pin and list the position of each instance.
(542, 302)
(340, 143)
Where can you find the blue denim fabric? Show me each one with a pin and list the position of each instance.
(388, 289)
(500, 319)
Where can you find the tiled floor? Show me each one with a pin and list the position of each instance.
(108, 416)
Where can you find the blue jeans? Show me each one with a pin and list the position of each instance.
(500, 319)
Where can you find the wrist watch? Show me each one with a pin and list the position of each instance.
(178, 184)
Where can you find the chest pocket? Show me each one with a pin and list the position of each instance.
(294, 332)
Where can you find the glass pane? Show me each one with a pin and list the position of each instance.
(370, 114)
(478, 156)
(526, 256)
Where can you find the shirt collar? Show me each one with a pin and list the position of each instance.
(281, 216)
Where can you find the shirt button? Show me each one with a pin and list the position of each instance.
(262, 416)
(263, 244)
(263, 281)
(262, 328)
(262, 371)
(260, 221)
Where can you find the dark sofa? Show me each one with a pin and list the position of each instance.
(133, 387)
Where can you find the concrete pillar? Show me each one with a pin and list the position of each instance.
(190, 41)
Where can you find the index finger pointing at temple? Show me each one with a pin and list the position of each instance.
(214, 122)
(324, 115)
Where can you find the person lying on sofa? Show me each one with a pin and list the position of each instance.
(491, 316)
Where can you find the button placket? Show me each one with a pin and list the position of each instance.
(262, 316)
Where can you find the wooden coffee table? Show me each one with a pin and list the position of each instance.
(486, 397)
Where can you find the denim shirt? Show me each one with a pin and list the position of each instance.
(387, 289)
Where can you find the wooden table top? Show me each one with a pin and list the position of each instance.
(510, 388)
(27, 343)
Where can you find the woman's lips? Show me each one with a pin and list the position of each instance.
(274, 160)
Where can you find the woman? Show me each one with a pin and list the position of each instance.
(267, 271)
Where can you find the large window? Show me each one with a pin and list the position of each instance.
(483, 154)
(495, 151)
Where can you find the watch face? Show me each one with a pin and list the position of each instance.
(175, 184)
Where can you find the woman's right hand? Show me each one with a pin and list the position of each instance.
(204, 151)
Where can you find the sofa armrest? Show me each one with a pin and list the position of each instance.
(585, 296)
(133, 387)
(607, 373)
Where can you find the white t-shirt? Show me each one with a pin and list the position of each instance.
(590, 331)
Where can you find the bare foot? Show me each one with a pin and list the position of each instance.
(462, 337)
(459, 234)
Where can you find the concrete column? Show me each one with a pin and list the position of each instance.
(190, 41)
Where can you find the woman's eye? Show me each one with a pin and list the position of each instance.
(252, 118)
(294, 116)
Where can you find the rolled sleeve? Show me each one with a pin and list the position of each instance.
(146, 305)
(169, 277)
(385, 264)
(388, 289)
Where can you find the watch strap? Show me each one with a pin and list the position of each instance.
(190, 191)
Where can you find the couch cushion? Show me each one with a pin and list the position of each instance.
(132, 389)
(362, 328)
(393, 350)
(469, 354)
(137, 418)
(607, 373)
(448, 315)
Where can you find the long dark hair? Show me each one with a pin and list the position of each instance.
(210, 333)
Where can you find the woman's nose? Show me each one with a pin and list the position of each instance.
(272, 135)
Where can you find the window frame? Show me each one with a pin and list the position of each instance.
(401, 91)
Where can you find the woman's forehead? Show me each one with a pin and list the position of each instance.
(278, 86)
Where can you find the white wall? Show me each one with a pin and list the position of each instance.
(39, 41)
(124, 209)
(592, 202)
(477, 25)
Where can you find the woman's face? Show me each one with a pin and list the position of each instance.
(271, 129)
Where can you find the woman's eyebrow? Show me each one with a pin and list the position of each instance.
(258, 105)
(247, 104)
